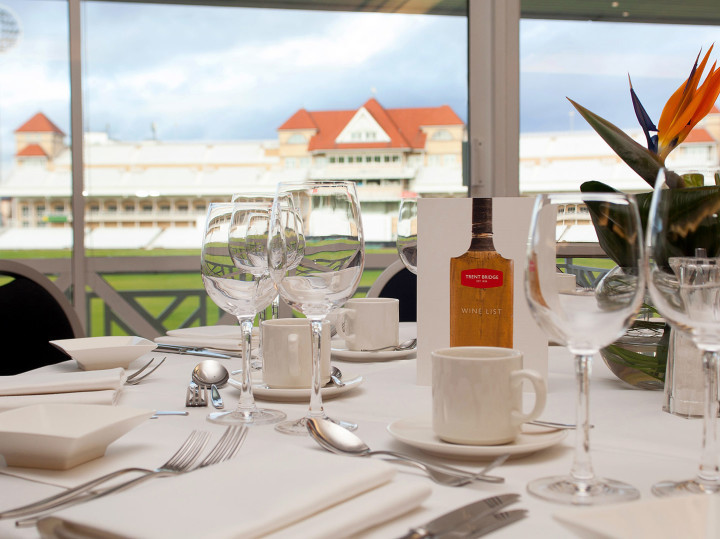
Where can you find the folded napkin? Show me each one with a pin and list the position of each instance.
(85, 387)
(696, 516)
(286, 492)
(219, 337)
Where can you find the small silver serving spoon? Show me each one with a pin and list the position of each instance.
(213, 374)
(405, 345)
(209, 372)
(336, 377)
(337, 439)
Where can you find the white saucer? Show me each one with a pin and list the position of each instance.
(277, 394)
(419, 433)
(339, 351)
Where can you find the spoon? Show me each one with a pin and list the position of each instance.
(209, 372)
(405, 345)
(337, 439)
(336, 377)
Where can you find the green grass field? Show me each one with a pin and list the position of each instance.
(185, 282)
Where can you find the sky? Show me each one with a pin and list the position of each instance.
(210, 73)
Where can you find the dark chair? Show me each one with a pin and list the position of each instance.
(33, 311)
(396, 281)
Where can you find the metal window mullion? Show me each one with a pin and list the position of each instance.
(79, 262)
(494, 97)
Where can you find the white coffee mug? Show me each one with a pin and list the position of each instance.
(369, 323)
(287, 353)
(477, 394)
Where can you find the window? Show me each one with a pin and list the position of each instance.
(441, 134)
(297, 138)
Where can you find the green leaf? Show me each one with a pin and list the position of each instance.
(691, 216)
(693, 179)
(645, 163)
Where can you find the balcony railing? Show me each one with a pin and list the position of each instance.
(109, 308)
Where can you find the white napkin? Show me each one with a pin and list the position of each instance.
(85, 387)
(287, 491)
(696, 516)
(218, 337)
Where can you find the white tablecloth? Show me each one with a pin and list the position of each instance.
(633, 440)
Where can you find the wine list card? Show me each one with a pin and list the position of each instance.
(445, 241)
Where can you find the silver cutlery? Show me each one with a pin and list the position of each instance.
(337, 439)
(553, 425)
(447, 525)
(410, 344)
(158, 413)
(215, 397)
(135, 377)
(335, 378)
(226, 448)
(209, 372)
(196, 395)
(186, 455)
(194, 351)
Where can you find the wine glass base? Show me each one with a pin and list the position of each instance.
(567, 490)
(257, 416)
(680, 488)
(299, 426)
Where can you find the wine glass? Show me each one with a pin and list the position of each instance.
(407, 233)
(684, 284)
(323, 271)
(265, 198)
(584, 317)
(235, 275)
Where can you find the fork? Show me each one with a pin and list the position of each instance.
(135, 379)
(196, 395)
(185, 456)
(226, 448)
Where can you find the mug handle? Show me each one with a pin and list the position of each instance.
(538, 383)
(294, 353)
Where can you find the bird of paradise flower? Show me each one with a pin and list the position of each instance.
(689, 199)
(689, 104)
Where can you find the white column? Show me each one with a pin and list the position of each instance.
(494, 97)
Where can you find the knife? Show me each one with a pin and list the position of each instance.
(191, 350)
(215, 397)
(483, 525)
(472, 512)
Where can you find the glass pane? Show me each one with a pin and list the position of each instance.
(35, 183)
(589, 62)
(186, 105)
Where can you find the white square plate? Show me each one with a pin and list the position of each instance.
(95, 353)
(61, 436)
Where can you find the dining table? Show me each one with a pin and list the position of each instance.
(632, 440)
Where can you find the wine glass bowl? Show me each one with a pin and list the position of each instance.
(583, 316)
(407, 233)
(684, 283)
(316, 254)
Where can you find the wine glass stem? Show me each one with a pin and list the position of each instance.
(316, 405)
(246, 401)
(275, 309)
(582, 470)
(709, 471)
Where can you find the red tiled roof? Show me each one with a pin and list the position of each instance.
(32, 150)
(401, 125)
(699, 135)
(39, 124)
